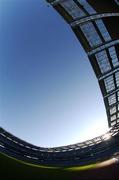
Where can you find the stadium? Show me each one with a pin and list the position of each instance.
(94, 23)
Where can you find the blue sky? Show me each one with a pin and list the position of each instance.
(48, 90)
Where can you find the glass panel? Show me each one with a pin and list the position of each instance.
(117, 78)
(87, 6)
(113, 117)
(103, 62)
(109, 83)
(103, 30)
(72, 8)
(113, 110)
(113, 54)
(112, 99)
(92, 35)
(113, 123)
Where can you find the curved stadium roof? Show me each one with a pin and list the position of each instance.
(94, 22)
